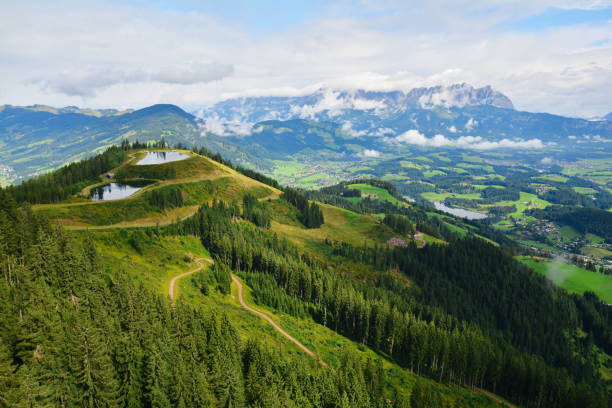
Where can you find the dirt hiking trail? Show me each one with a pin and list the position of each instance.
(276, 326)
(198, 261)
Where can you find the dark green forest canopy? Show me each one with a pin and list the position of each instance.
(591, 220)
(71, 335)
(68, 180)
(500, 333)
(310, 213)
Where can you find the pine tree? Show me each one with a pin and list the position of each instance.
(9, 382)
(92, 374)
(156, 372)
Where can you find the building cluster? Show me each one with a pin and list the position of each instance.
(398, 242)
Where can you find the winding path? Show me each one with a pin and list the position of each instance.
(276, 326)
(182, 275)
(495, 398)
(279, 329)
(247, 307)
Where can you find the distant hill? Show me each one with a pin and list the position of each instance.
(608, 117)
(38, 138)
(346, 122)
(475, 127)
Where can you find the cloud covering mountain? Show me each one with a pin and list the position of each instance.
(332, 104)
(368, 124)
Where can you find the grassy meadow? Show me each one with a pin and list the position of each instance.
(572, 278)
(381, 193)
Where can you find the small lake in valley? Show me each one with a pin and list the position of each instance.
(459, 212)
(116, 191)
(161, 157)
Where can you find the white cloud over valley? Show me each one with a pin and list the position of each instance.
(414, 137)
(347, 127)
(215, 125)
(369, 153)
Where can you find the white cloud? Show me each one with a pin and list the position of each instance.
(547, 161)
(214, 124)
(87, 82)
(347, 127)
(369, 153)
(414, 137)
(444, 98)
(452, 129)
(382, 132)
(333, 102)
(330, 102)
(478, 143)
(508, 144)
(365, 104)
(359, 45)
(193, 73)
(469, 140)
(239, 128)
(470, 124)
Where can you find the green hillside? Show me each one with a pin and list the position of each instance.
(395, 325)
(198, 178)
(36, 139)
(146, 267)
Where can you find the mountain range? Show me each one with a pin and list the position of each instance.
(330, 103)
(333, 124)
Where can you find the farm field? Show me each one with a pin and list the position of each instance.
(595, 169)
(584, 190)
(431, 196)
(595, 252)
(573, 278)
(379, 193)
(552, 177)
(525, 202)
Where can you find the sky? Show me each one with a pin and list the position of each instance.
(546, 56)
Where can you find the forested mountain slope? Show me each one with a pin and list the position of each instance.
(337, 125)
(459, 311)
(73, 336)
